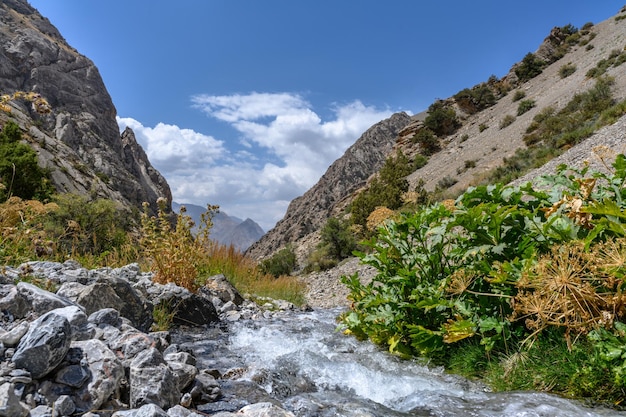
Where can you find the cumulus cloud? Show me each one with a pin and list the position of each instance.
(283, 148)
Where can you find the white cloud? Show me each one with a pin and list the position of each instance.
(287, 147)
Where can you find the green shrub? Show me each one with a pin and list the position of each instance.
(524, 106)
(507, 121)
(428, 142)
(20, 173)
(529, 68)
(282, 262)
(337, 239)
(482, 127)
(441, 119)
(567, 70)
(518, 95)
(473, 100)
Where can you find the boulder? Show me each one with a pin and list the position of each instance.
(152, 381)
(10, 405)
(41, 300)
(105, 374)
(44, 345)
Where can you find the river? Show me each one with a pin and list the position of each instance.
(300, 361)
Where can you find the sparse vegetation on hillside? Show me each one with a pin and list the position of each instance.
(441, 119)
(529, 68)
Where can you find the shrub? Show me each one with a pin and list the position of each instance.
(482, 127)
(20, 173)
(518, 95)
(567, 70)
(441, 119)
(428, 142)
(282, 262)
(529, 68)
(507, 121)
(524, 106)
(473, 100)
(337, 239)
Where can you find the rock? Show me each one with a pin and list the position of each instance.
(13, 336)
(264, 410)
(41, 300)
(105, 316)
(13, 302)
(147, 410)
(105, 371)
(81, 328)
(10, 405)
(113, 293)
(44, 345)
(205, 388)
(218, 286)
(152, 381)
(63, 406)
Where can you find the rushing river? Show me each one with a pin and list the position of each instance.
(301, 362)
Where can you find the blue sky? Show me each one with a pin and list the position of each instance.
(245, 103)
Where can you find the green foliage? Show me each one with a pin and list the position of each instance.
(282, 262)
(567, 70)
(615, 59)
(518, 95)
(524, 106)
(386, 190)
(475, 99)
(19, 171)
(429, 143)
(507, 121)
(529, 68)
(452, 278)
(337, 239)
(80, 226)
(441, 119)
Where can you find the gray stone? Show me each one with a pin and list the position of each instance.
(63, 406)
(105, 370)
(264, 410)
(109, 316)
(146, 410)
(81, 328)
(219, 286)
(13, 302)
(41, 411)
(10, 405)
(44, 346)
(73, 376)
(12, 337)
(152, 381)
(41, 300)
(184, 374)
(205, 388)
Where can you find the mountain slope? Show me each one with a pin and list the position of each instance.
(308, 213)
(79, 140)
(477, 146)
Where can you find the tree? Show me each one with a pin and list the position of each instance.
(441, 119)
(529, 68)
(337, 239)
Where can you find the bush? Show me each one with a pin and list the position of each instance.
(482, 127)
(524, 106)
(20, 173)
(281, 263)
(441, 119)
(473, 100)
(429, 143)
(518, 95)
(529, 68)
(507, 121)
(337, 239)
(567, 70)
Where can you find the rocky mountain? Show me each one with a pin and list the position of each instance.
(481, 143)
(78, 140)
(308, 213)
(227, 230)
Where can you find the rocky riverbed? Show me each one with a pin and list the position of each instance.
(85, 345)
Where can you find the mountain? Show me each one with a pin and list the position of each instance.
(308, 213)
(79, 140)
(486, 137)
(227, 230)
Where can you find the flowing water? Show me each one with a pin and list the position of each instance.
(301, 362)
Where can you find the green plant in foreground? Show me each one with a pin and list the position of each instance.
(504, 268)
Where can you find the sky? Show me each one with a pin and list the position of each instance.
(246, 103)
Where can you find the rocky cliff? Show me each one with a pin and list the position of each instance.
(79, 140)
(306, 214)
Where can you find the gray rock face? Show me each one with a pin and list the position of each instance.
(44, 346)
(308, 213)
(152, 381)
(81, 131)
